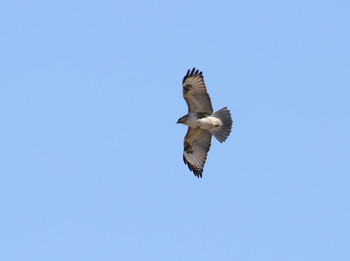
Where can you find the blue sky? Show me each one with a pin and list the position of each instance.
(91, 158)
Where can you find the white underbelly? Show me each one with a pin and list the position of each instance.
(209, 122)
(204, 123)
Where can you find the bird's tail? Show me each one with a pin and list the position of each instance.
(221, 132)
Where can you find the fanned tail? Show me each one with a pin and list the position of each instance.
(223, 131)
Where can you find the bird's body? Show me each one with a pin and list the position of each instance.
(195, 120)
(202, 122)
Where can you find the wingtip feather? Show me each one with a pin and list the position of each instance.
(192, 72)
(196, 172)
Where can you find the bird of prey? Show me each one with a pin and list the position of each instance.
(202, 122)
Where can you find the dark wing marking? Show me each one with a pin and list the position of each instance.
(196, 147)
(195, 92)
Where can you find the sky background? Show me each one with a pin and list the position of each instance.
(91, 158)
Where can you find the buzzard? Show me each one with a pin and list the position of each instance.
(202, 122)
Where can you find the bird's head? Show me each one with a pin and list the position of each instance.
(182, 120)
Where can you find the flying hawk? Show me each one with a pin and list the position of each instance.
(201, 121)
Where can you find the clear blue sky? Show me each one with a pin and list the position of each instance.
(91, 158)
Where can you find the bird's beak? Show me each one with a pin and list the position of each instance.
(178, 121)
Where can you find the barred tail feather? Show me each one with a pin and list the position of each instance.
(223, 131)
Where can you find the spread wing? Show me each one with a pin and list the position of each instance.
(197, 144)
(195, 92)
